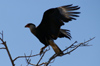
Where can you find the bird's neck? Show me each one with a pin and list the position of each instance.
(33, 30)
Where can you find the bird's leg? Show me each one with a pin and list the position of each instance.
(41, 50)
(56, 49)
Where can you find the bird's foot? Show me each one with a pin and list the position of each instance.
(41, 50)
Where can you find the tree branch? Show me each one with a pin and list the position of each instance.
(4, 43)
(42, 56)
(3, 48)
(25, 56)
(66, 51)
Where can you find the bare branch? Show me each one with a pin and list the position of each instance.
(25, 56)
(66, 51)
(70, 46)
(42, 56)
(28, 60)
(1, 34)
(4, 43)
(3, 48)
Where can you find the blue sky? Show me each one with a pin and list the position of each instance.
(15, 14)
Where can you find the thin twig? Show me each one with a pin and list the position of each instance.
(73, 49)
(28, 60)
(25, 56)
(3, 48)
(1, 34)
(69, 46)
(41, 57)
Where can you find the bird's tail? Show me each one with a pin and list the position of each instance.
(65, 33)
(56, 49)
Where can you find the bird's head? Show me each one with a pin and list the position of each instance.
(30, 25)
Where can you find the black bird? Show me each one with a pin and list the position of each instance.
(50, 26)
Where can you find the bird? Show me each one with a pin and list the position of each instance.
(50, 27)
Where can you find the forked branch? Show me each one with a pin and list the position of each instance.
(73, 46)
(5, 47)
(66, 51)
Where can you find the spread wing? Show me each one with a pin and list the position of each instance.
(54, 18)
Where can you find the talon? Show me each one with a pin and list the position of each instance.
(41, 50)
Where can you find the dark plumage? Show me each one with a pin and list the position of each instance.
(49, 28)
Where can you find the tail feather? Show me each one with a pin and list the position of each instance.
(56, 49)
(65, 33)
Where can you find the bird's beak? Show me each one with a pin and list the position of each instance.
(26, 26)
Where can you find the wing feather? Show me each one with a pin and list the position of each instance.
(54, 18)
